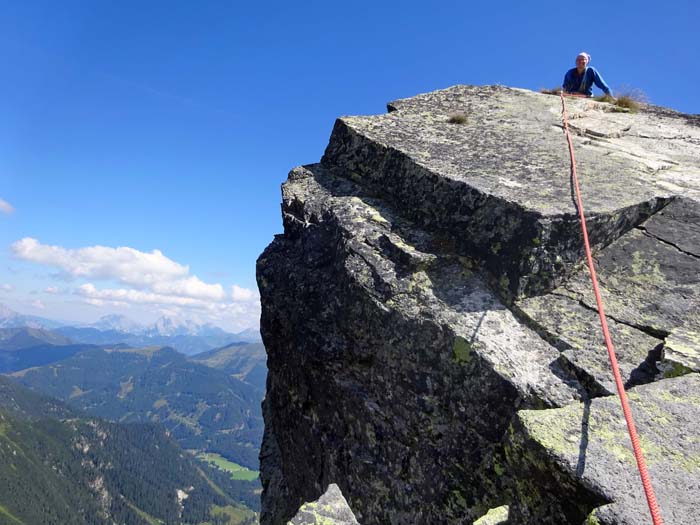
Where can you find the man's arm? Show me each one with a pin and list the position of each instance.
(598, 80)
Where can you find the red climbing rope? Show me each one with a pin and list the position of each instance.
(644, 474)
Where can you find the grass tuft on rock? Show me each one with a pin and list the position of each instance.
(629, 99)
(553, 91)
(628, 102)
(605, 98)
(457, 118)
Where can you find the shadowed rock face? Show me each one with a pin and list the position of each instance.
(425, 305)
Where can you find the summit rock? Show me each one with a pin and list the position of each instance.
(427, 318)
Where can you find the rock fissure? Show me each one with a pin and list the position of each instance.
(648, 330)
(660, 239)
(685, 138)
(593, 134)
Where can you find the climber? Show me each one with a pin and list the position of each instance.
(580, 79)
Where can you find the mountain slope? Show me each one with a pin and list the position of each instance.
(245, 361)
(59, 467)
(24, 337)
(39, 355)
(204, 409)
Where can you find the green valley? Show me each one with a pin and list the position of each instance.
(236, 471)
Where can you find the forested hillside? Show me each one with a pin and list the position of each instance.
(58, 467)
(205, 409)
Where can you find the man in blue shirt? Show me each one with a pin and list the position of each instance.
(580, 79)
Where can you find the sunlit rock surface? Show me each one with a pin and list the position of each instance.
(329, 509)
(426, 310)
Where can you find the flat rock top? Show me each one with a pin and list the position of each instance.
(591, 443)
(512, 146)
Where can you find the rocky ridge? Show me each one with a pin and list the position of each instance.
(433, 345)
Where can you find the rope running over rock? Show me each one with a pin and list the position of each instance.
(644, 474)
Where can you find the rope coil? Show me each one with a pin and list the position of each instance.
(638, 454)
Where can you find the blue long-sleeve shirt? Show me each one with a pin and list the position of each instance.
(575, 83)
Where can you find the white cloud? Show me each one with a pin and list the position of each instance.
(6, 207)
(242, 294)
(148, 281)
(230, 315)
(38, 304)
(6, 287)
(135, 296)
(144, 271)
(124, 264)
(191, 287)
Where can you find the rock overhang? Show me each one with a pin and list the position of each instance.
(503, 177)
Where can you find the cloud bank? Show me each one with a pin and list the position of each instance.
(146, 279)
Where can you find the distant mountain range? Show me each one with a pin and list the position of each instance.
(117, 323)
(61, 466)
(11, 319)
(187, 337)
(164, 326)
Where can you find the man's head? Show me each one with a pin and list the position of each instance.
(582, 60)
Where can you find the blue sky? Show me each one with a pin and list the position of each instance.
(130, 127)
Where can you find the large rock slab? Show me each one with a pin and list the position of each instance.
(575, 330)
(650, 283)
(575, 459)
(427, 289)
(646, 279)
(500, 183)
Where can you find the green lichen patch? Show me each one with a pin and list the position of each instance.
(461, 350)
(592, 519)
